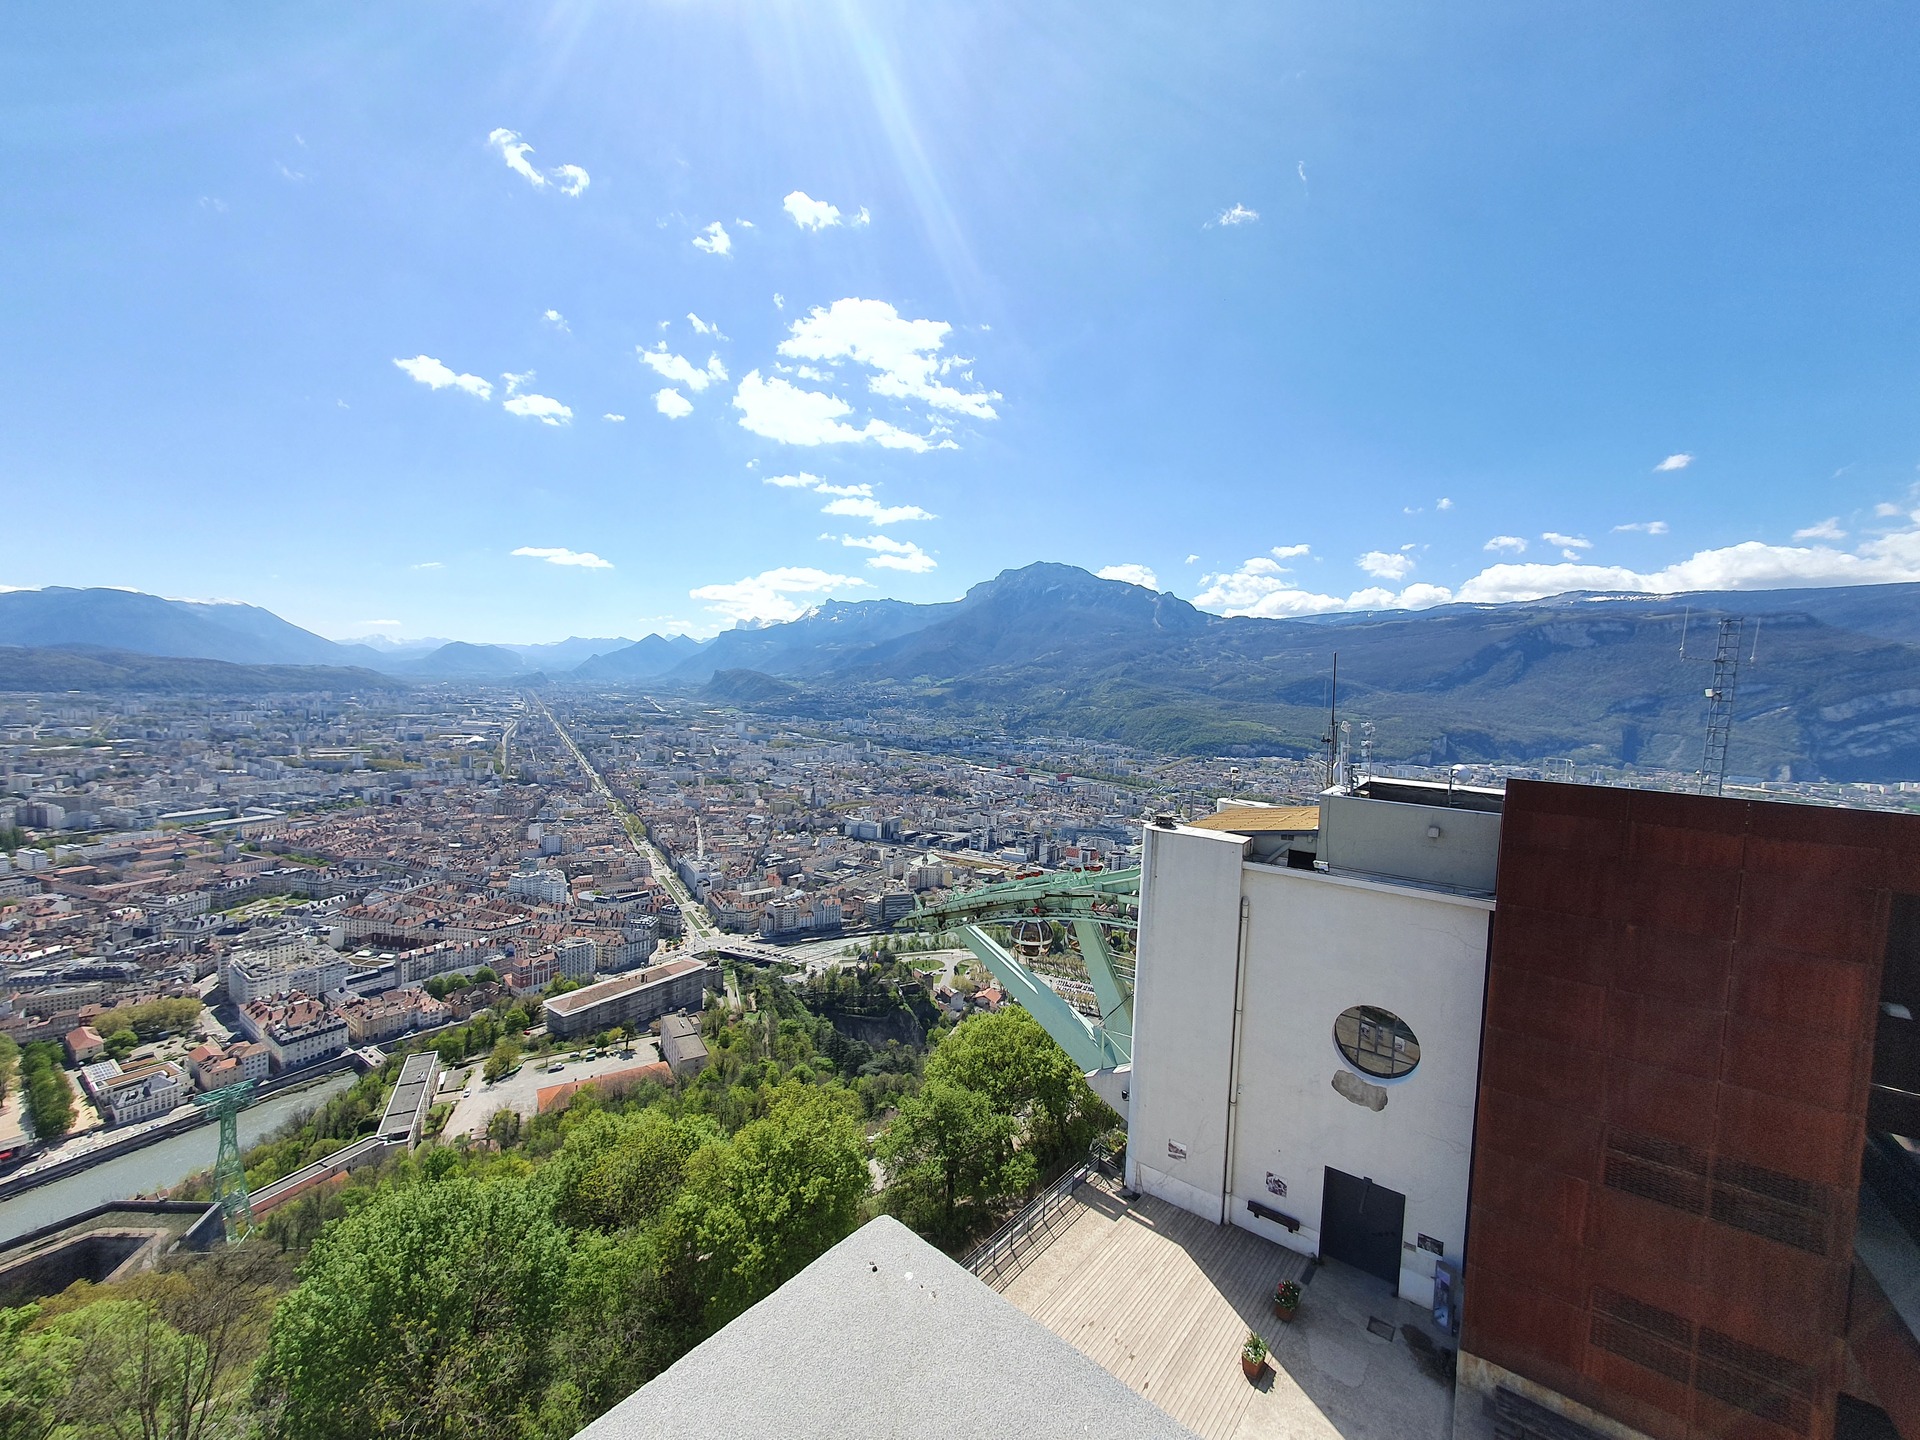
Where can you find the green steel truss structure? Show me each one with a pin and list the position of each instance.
(229, 1175)
(1098, 1033)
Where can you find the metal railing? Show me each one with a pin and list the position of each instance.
(1030, 1222)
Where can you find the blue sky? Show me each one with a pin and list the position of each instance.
(1280, 307)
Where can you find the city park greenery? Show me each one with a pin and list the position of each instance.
(521, 1283)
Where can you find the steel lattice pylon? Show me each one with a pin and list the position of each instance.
(1726, 676)
(1092, 903)
(229, 1175)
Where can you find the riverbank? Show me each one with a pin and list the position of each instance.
(161, 1163)
(47, 1169)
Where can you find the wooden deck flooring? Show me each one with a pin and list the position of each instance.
(1163, 1299)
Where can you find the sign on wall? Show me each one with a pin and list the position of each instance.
(1175, 1150)
(1275, 1185)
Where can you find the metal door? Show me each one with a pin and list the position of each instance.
(1361, 1223)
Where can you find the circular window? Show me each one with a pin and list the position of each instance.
(1376, 1042)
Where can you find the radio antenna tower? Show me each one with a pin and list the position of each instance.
(1726, 678)
(1332, 739)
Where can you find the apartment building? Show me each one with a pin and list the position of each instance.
(141, 1092)
(296, 1029)
(632, 1000)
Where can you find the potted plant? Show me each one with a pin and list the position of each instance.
(1253, 1356)
(1286, 1300)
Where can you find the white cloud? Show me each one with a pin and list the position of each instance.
(802, 481)
(1193, 560)
(544, 408)
(904, 354)
(1643, 527)
(779, 301)
(683, 371)
(1257, 588)
(516, 383)
(861, 507)
(781, 411)
(1234, 215)
(1132, 574)
(768, 595)
(672, 404)
(1443, 503)
(809, 213)
(823, 489)
(557, 320)
(569, 180)
(557, 555)
(714, 240)
(429, 565)
(616, 419)
(891, 554)
(1570, 545)
(701, 327)
(431, 373)
(1675, 462)
(1750, 565)
(1827, 529)
(1386, 565)
(1885, 510)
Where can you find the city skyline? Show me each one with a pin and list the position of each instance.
(508, 326)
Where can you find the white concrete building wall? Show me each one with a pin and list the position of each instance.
(1183, 1016)
(1316, 945)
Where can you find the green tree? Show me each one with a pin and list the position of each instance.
(501, 1062)
(952, 1161)
(622, 1170)
(122, 1043)
(787, 1189)
(151, 1019)
(49, 1096)
(1023, 1072)
(425, 1313)
(36, 1370)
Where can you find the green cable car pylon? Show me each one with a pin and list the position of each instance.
(229, 1175)
(1100, 1035)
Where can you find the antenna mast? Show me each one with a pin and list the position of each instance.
(1726, 678)
(1332, 738)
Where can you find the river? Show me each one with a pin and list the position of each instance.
(156, 1166)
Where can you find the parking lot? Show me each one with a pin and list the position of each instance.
(519, 1091)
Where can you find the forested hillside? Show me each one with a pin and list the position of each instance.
(520, 1285)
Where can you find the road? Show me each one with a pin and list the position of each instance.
(699, 925)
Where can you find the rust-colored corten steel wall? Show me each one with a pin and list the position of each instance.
(1680, 1013)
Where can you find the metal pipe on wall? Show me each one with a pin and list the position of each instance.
(1233, 1067)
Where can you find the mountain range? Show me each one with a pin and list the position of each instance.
(134, 623)
(1829, 685)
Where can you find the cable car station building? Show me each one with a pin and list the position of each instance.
(1625, 1083)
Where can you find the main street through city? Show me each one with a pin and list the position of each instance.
(694, 914)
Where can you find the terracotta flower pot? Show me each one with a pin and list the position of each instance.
(1252, 1367)
(1285, 1312)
